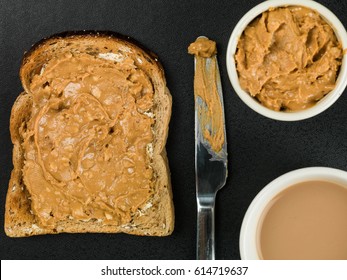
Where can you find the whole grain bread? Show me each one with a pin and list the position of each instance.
(157, 217)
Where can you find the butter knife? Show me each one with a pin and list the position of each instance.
(210, 143)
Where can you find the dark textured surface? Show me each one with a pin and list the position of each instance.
(260, 149)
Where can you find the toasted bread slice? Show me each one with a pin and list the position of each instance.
(155, 216)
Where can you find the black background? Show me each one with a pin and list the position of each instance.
(260, 149)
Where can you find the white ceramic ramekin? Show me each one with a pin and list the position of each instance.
(325, 102)
(249, 235)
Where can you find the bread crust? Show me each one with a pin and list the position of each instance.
(157, 220)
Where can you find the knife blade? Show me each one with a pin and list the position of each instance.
(210, 145)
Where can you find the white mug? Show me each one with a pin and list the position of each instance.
(249, 235)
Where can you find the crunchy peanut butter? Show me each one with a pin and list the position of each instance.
(288, 58)
(205, 87)
(203, 47)
(86, 143)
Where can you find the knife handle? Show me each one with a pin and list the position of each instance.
(205, 233)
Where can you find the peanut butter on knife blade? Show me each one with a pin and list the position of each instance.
(205, 87)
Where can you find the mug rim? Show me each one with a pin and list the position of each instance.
(248, 235)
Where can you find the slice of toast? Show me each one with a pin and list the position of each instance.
(23, 216)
